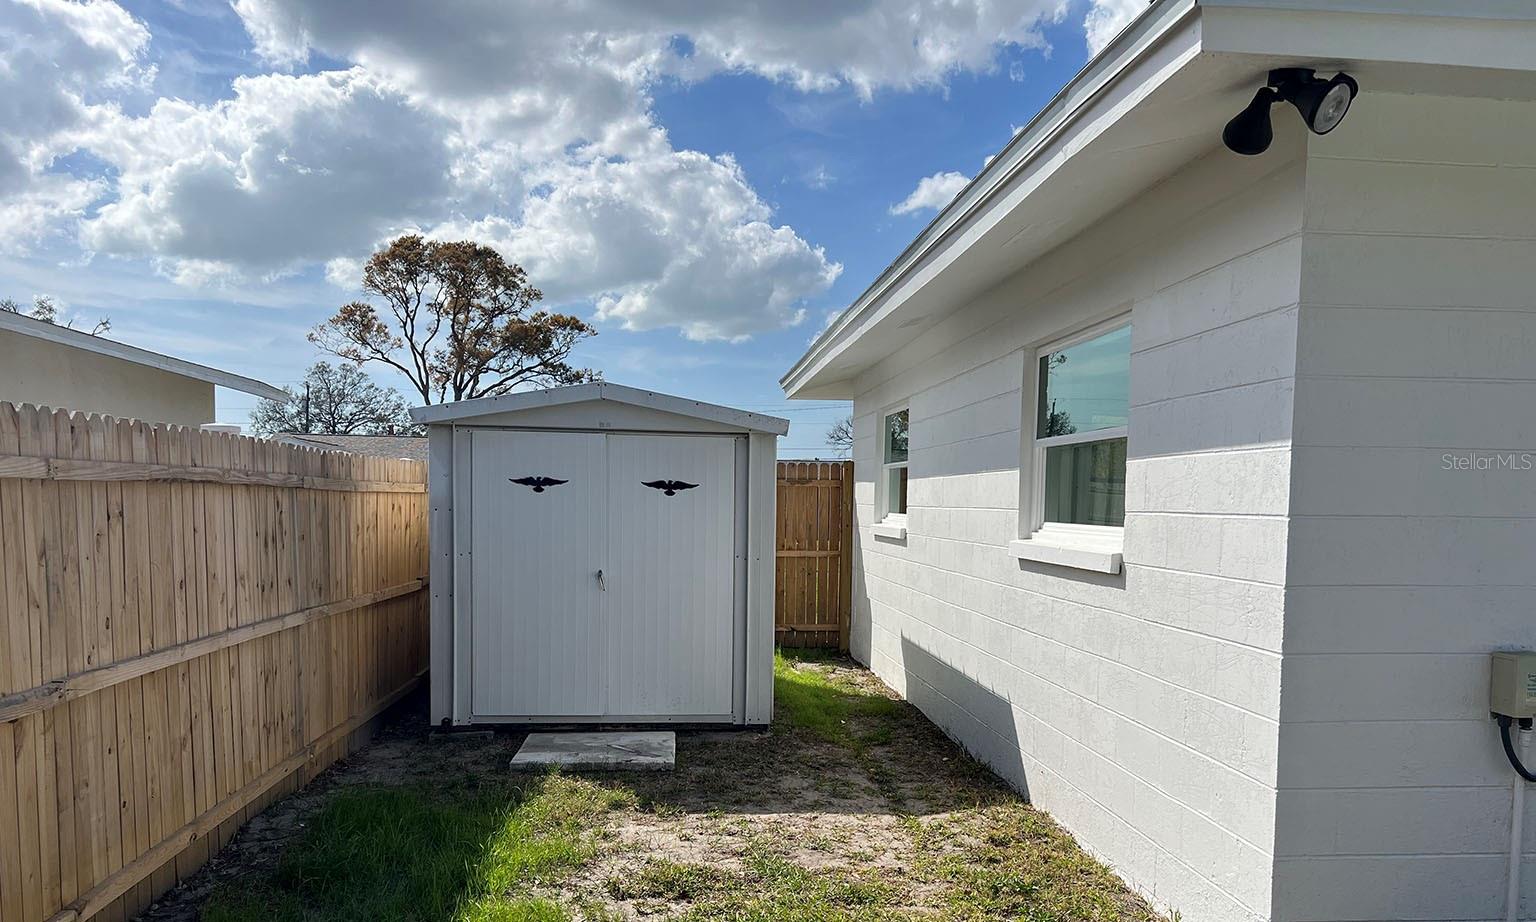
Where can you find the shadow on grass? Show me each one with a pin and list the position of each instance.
(470, 854)
(853, 808)
(841, 743)
(838, 712)
(479, 849)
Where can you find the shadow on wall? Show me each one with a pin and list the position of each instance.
(981, 721)
(1073, 574)
(860, 627)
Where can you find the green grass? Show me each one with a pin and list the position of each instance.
(768, 889)
(809, 699)
(481, 848)
(1015, 863)
(460, 853)
(668, 880)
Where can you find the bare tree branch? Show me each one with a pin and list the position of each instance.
(840, 435)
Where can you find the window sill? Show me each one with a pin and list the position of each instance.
(1081, 552)
(896, 531)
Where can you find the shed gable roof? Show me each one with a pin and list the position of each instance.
(600, 390)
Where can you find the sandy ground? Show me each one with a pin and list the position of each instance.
(890, 808)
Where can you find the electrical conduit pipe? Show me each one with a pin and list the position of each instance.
(1517, 810)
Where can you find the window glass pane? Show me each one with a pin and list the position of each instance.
(896, 490)
(1085, 483)
(1087, 386)
(896, 437)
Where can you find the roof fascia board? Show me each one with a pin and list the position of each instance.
(1138, 40)
(1488, 35)
(578, 393)
(504, 403)
(1464, 9)
(64, 336)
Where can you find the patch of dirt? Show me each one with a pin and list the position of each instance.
(822, 806)
(885, 803)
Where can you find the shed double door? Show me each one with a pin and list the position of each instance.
(595, 596)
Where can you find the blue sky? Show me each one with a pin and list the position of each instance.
(706, 186)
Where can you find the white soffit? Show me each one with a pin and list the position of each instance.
(1152, 101)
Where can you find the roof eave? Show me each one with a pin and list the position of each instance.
(600, 390)
(1478, 35)
(1134, 41)
(97, 345)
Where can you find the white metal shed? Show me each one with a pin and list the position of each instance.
(601, 554)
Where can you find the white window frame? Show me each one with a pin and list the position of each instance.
(892, 524)
(1089, 547)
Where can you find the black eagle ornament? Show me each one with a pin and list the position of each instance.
(538, 483)
(669, 487)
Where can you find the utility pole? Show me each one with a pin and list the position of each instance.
(306, 408)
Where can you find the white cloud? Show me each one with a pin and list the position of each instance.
(526, 125)
(34, 210)
(932, 193)
(56, 59)
(320, 169)
(677, 239)
(489, 46)
(1107, 18)
(290, 171)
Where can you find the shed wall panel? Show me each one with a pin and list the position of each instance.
(537, 623)
(670, 602)
(684, 630)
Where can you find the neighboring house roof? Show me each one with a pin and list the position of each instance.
(54, 333)
(1153, 100)
(410, 447)
(601, 390)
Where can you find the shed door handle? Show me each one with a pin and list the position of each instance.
(601, 584)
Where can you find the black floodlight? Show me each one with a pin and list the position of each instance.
(1249, 132)
(1322, 104)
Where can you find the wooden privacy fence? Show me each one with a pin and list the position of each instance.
(194, 624)
(814, 592)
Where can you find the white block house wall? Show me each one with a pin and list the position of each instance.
(1417, 341)
(1279, 708)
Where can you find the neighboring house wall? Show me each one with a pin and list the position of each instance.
(1140, 709)
(1417, 340)
(45, 373)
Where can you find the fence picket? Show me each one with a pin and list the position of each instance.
(138, 726)
(813, 567)
(18, 784)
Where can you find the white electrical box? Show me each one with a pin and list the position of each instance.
(1513, 691)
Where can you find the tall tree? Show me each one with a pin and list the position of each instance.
(335, 400)
(461, 323)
